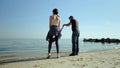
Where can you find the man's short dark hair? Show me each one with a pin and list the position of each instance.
(70, 17)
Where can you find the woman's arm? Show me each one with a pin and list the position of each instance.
(50, 21)
(59, 23)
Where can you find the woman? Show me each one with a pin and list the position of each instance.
(54, 25)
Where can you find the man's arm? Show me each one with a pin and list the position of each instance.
(68, 24)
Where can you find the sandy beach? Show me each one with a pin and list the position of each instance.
(96, 59)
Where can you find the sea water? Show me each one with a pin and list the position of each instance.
(37, 47)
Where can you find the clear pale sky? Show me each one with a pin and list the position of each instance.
(30, 18)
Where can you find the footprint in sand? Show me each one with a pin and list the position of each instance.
(80, 59)
(83, 65)
(102, 61)
(36, 66)
(117, 63)
(61, 62)
(77, 65)
(96, 67)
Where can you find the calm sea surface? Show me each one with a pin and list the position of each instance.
(37, 47)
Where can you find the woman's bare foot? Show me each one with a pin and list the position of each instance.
(58, 55)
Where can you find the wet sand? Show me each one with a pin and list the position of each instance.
(96, 59)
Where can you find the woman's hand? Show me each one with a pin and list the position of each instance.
(61, 28)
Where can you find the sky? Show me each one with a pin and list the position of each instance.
(30, 18)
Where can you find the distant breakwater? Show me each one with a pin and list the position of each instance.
(102, 40)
